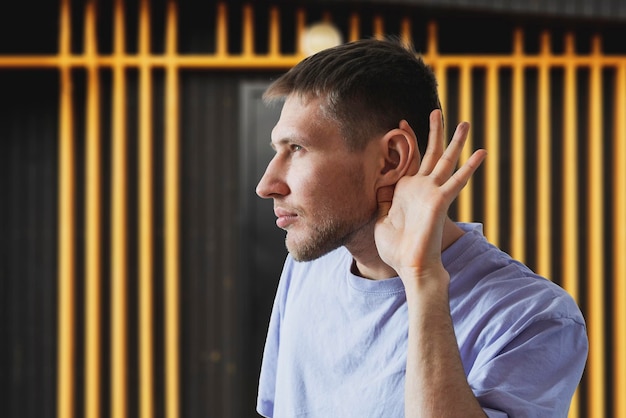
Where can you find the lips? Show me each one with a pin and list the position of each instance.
(284, 218)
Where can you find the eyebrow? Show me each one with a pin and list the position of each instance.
(281, 141)
(287, 140)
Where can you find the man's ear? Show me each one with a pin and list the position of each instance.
(400, 153)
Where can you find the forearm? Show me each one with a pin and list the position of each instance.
(435, 384)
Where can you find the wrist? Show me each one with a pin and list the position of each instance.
(421, 278)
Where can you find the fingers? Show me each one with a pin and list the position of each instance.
(434, 149)
(447, 163)
(456, 183)
(441, 165)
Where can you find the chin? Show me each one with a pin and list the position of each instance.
(309, 251)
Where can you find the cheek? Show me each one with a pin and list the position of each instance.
(351, 193)
(332, 189)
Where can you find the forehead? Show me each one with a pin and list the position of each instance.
(303, 119)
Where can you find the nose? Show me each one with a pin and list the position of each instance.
(272, 184)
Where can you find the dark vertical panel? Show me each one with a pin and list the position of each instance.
(221, 336)
(28, 127)
(262, 249)
(232, 252)
(198, 328)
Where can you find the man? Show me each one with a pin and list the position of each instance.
(386, 307)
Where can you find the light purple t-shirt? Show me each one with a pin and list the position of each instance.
(337, 343)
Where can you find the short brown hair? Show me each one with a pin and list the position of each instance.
(368, 87)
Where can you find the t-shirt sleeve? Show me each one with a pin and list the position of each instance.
(536, 373)
(492, 413)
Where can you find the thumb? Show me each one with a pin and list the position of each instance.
(384, 197)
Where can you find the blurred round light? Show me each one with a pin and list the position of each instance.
(319, 36)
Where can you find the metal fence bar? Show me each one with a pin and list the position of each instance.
(119, 216)
(171, 204)
(354, 32)
(274, 35)
(221, 29)
(595, 231)
(465, 113)
(248, 34)
(378, 26)
(571, 177)
(441, 70)
(619, 244)
(570, 217)
(518, 152)
(145, 217)
(252, 61)
(93, 236)
(543, 236)
(66, 242)
(492, 144)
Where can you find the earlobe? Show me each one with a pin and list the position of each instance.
(400, 159)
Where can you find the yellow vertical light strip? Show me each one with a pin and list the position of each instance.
(619, 243)
(221, 28)
(406, 34)
(300, 27)
(441, 71)
(248, 31)
(145, 217)
(571, 202)
(492, 165)
(92, 221)
(172, 408)
(442, 87)
(66, 245)
(118, 222)
(274, 36)
(595, 249)
(544, 165)
(432, 43)
(465, 198)
(355, 24)
(518, 152)
(379, 27)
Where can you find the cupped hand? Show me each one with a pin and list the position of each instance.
(411, 215)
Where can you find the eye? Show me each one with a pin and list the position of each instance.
(296, 147)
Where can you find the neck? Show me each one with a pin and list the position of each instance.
(368, 264)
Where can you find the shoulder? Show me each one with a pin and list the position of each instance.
(492, 279)
(494, 298)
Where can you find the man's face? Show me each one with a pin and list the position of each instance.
(324, 194)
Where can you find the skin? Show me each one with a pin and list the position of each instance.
(326, 195)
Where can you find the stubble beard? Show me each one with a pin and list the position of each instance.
(329, 235)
